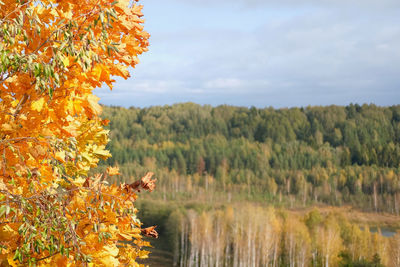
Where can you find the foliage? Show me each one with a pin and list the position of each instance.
(249, 234)
(348, 262)
(52, 55)
(299, 156)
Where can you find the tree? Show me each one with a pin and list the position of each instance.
(52, 55)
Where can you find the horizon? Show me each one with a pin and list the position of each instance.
(248, 107)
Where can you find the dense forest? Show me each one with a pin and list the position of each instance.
(290, 157)
(237, 186)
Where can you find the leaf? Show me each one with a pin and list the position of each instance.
(125, 237)
(147, 183)
(65, 61)
(150, 232)
(105, 122)
(60, 156)
(38, 104)
(101, 152)
(2, 185)
(113, 171)
(52, 135)
(6, 127)
(112, 250)
(143, 254)
(12, 261)
(93, 104)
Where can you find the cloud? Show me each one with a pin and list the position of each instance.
(222, 83)
(304, 52)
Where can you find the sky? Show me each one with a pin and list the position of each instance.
(279, 53)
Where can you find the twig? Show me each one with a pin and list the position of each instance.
(15, 10)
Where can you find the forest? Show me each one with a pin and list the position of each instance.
(236, 185)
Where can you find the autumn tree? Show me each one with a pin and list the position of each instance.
(53, 54)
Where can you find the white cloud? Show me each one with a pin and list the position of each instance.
(329, 52)
(223, 83)
(151, 86)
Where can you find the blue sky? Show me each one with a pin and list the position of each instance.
(279, 53)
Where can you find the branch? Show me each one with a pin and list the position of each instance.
(44, 258)
(12, 12)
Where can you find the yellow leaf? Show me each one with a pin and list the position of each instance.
(123, 3)
(70, 106)
(79, 181)
(6, 127)
(38, 104)
(101, 152)
(2, 185)
(60, 156)
(125, 236)
(93, 104)
(97, 71)
(10, 260)
(106, 256)
(113, 171)
(54, 12)
(39, 9)
(65, 61)
(68, 15)
(14, 103)
(143, 254)
(111, 250)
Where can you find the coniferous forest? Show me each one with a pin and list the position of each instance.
(312, 186)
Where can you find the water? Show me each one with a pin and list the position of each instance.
(385, 231)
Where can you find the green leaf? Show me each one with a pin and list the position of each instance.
(2, 210)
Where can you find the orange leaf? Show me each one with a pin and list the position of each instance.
(113, 171)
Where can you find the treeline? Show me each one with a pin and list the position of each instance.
(251, 235)
(333, 155)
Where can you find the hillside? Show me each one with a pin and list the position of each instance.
(292, 157)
